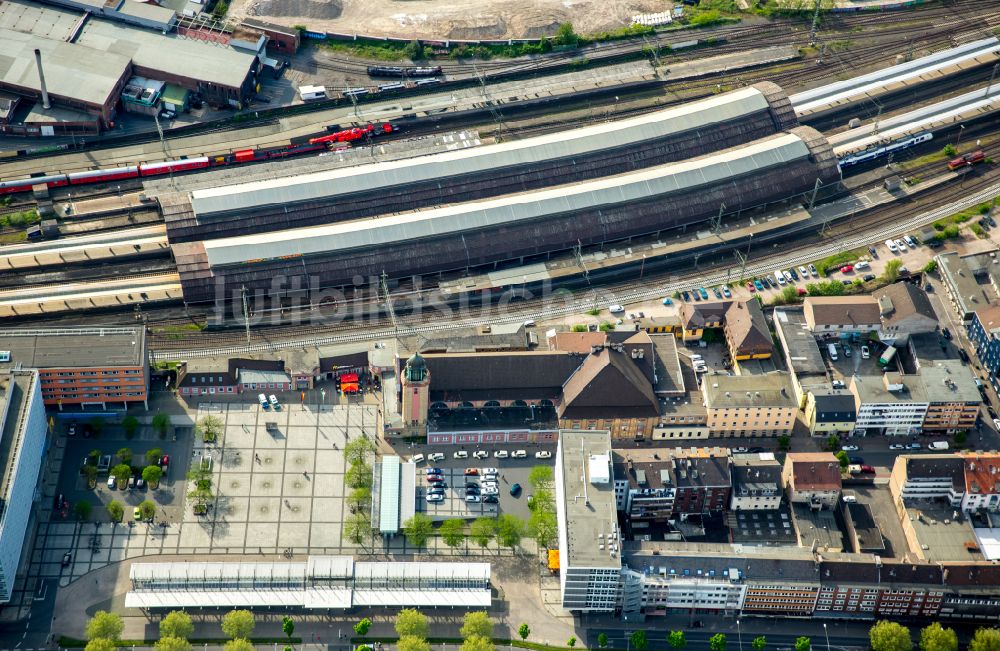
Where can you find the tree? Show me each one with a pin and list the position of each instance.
(161, 424)
(842, 458)
(891, 272)
(153, 456)
(937, 638)
(131, 425)
(930, 267)
(833, 442)
(220, 9)
(359, 499)
(889, 636)
(949, 150)
(482, 531)
(414, 50)
(147, 509)
(121, 473)
(676, 639)
(412, 643)
(717, 642)
(543, 526)
(357, 527)
(789, 294)
(116, 511)
(985, 639)
(170, 643)
(418, 529)
(510, 530)
(288, 627)
(239, 644)
(571, 642)
(759, 643)
(477, 643)
(209, 428)
(358, 450)
(524, 631)
(602, 640)
(238, 624)
(124, 455)
(105, 625)
(152, 475)
(359, 475)
(452, 532)
(638, 640)
(90, 472)
(477, 623)
(83, 509)
(541, 478)
(101, 644)
(565, 35)
(410, 621)
(802, 643)
(177, 623)
(361, 628)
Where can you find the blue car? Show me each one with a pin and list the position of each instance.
(704, 294)
(668, 301)
(685, 296)
(717, 293)
(758, 285)
(435, 471)
(726, 292)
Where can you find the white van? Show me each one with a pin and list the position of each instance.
(417, 458)
(938, 445)
(831, 350)
(262, 399)
(780, 278)
(912, 243)
(891, 245)
(519, 454)
(274, 402)
(862, 265)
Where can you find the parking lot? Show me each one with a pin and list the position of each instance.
(454, 504)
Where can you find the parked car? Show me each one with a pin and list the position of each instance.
(914, 446)
(491, 499)
(946, 333)
(439, 483)
(417, 458)
(873, 251)
(897, 446)
(274, 402)
(757, 284)
(668, 301)
(543, 454)
(741, 450)
(855, 459)
(471, 471)
(264, 404)
(846, 269)
(435, 456)
(434, 471)
(515, 489)
(67, 558)
(111, 483)
(865, 352)
(501, 454)
(862, 265)
(491, 490)
(616, 309)
(488, 471)
(849, 448)
(435, 497)
(704, 294)
(750, 287)
(165, 462)
(812, 270)
(461, 454)
(480, 454)
(803, 271)
(717, 292)
(726, 292)
(868, 277)
(794, 274)
(432, 479)
(472, 499)
(685, 295)
(519, 454)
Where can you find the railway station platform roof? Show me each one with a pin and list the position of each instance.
(638, 186)
(331, 184)
(824, 98)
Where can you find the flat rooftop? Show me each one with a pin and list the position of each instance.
(801, 349)
(819, 527)
(73, 347)
(942, 536)
(762, 527)
(669, 376)
(591, 513)
(967, 290)
(865, 528)
(736, 391)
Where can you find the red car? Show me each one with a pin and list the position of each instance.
(751, 287)
(165, 461)
(801, 291)
(868, 469)
(846, 269)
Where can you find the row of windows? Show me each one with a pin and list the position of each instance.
(128, 371)
(118, 394)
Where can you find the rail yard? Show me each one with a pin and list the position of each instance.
(380, 208)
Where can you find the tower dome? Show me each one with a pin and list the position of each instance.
(416, 369)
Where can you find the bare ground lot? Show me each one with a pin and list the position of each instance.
(451, 19)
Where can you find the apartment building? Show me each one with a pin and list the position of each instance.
(82, 367)
(928, 477)
(983, 330)
(24, 427)
(645, 488)
(750, 405)
(981, 471)
(837, 315)
(589, 550)
(953, 397)
(830, 412)
(890, 404)
(703, 480)
(742, 324)
(812, 479)
(756, 480)
(905, 310)
(970, 281)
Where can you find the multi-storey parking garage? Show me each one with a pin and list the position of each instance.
(777, 168)
(571, 156)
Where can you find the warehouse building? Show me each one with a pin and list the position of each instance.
(23, 429)
(571, 156)
(82, 367)
(511, 228)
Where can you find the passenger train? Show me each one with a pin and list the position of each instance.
(399, 71)
(882, 150)
(315, 145)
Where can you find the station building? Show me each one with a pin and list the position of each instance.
(81, 367)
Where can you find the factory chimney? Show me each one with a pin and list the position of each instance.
(41, 79)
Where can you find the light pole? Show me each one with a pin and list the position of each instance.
(961, 128)
(739, 633)
(827, 634)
